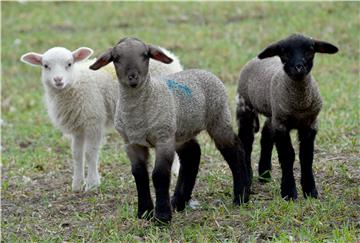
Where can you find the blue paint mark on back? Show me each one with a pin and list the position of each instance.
(175, 86)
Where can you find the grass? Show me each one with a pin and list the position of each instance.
(37, 203)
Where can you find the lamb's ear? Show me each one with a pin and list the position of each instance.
(32, 58)
(270, 51)
(325, 47)
(157, 54)
(82, 53)
(103, 60)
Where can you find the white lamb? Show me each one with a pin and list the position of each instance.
(82, 102)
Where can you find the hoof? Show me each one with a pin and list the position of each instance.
(265, 177)
(311, 194)
(77, 186)
(163, 218)
(289, 195)
(242, 199)
(146, 214)
(92, 184)
(177, 204)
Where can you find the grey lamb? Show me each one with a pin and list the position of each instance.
(167, 113)
(279, 85)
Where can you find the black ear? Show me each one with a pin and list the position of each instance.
(325, 47)
(157, 54)
(103, 60)
(270, 51)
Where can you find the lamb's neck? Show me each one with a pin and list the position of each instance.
(54, 94)
(134, 98)
(300, 93)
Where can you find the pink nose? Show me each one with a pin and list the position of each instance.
(57, 79)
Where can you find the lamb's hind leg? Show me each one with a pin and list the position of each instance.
(78, 161)
(306, 154)
(247, 121)
(189, 154)
(267, 144)
(92, 148)
(232, 150)
(139, 156)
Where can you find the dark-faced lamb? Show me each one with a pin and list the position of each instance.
(279, 85)
(81, 102)
(167, 113)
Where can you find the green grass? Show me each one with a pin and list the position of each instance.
(37, 203)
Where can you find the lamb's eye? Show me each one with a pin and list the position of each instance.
(46, 66)
(69, 65)
(145, 55)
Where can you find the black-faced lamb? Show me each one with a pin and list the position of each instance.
(167, 113)
(279, 85)
(82, 102)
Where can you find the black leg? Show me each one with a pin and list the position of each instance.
(232, 149)
(247, 121)
(306, 155)
(267, 144)
(139, 156)
(189, 154)
(161, 179)
(286, 157)
(234, 155)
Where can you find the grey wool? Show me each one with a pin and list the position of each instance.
(279, 84)
(271, 92)
(180, 105)
(166, 113)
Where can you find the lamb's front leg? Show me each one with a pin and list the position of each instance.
(92, 148)
(286, 156)
(161, 178)
(139, 156)
(306, 155)
(77, 147)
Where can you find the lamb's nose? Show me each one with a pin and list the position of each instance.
(299, 67)
(133, 77)
(58, 79)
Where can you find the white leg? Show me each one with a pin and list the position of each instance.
(92, 148)
(175, 166)
(78, 161)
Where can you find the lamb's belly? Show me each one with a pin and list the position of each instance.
(301, 120)
(139, 140)
(189, 128)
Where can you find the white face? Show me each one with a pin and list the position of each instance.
(57, 67)
(57, 64)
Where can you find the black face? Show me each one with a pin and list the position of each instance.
(131, 60)
(297, 58)
(297, 54)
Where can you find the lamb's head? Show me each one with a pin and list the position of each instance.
(297, 54)
(57, 64)
(131, 60)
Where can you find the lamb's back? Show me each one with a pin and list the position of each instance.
(199, 96)
(255, 82)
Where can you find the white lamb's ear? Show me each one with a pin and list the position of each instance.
(82, 53)
(32, 58)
